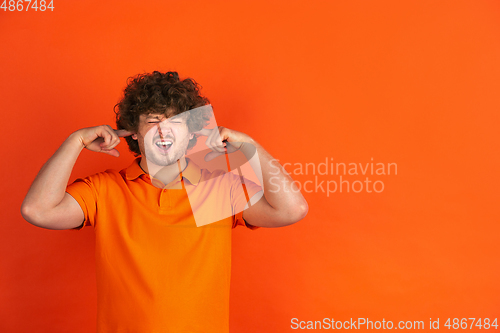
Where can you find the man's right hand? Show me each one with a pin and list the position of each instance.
(101, 139)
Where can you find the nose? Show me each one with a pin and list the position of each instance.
(159, 131)
(164, 129)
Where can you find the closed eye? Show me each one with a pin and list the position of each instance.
(172, 122)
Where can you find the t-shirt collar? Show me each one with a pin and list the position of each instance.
(192, 172)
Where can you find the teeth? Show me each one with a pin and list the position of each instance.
(164, 144)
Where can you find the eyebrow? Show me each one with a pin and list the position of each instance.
(158, 117)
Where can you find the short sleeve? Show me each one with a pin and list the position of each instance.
(85, 192)
(241, 194)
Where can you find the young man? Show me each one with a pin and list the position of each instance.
(157, 268)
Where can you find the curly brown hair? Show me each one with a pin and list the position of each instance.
(160, 93)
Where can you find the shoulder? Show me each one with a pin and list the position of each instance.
(110, 174)
(102, 177)
(220, 175)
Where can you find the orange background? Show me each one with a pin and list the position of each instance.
(409, 82)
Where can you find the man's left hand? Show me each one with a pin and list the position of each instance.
(220, 139)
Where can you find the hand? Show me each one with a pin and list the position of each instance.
(221, 139)
(101, 139)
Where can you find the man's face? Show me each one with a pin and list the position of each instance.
(162, 140)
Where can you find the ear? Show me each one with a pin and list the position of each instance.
(191, 135)
(134, 136)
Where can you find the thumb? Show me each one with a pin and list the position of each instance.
(213, 154)
(112, 152)
(204, 132)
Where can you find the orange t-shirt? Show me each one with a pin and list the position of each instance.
(156, 270)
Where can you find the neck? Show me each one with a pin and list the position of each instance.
(165, 173)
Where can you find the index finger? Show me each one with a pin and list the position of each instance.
(204, 131)
(123, 133)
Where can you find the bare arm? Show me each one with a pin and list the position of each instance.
(47, 204)
(282, 203)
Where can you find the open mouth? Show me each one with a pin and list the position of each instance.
(163, 145)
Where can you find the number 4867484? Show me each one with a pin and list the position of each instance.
(462, 323)
(25, 5)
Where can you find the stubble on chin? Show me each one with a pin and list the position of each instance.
(158, 159)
